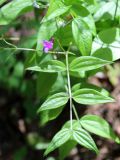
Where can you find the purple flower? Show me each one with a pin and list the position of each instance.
(48, 45)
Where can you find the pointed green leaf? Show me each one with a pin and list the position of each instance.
(64, 34)
(65, 149)
(49, 66)
(48, 115)
(91, 23)
(56, 84)
(54, 101)
(106, 11)
(86, 63)
(98, 126)
(106, 51)
(56, 9)
(83, 85)
(82, 36)
(80, 11)
(11, 10)
(59, 139)
(103, 35)
(90, 96)
(83, 138)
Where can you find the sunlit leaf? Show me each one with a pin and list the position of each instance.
(66, 148)
(59, 139)
(56, 9)
(54, 101)
(50, 66)
(86, 63)
(83, 138)
(104, 35)
(98, 126)
(11, 10)
(82, 36)
(48, 115)
(90, 96)
(80, 11)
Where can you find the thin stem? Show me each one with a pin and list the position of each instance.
(75, 112)
(32, 50)
(11, 38)
(116, 9)
(10, 44)
(22, 49)
(68, 22)
(60, 45)
(69, 88)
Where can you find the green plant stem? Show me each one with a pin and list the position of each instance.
(22, 49)
(60, 45)
(11, 38)
(116, 9)
(69, 88)
(10, 44)
(75, 112)
(32, 50)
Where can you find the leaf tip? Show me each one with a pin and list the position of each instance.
(39, 110)
(117, 140)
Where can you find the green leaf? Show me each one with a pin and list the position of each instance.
(80, 11)
(11, 10)
(56, 84)
(106, 51)
(68, 124)
(90, 96)
(50, 66)
(59, 139)
(65, 149)
(2, 1)
(91, 1)
(83, 85)
(54, 101)
(56, 9)
(49, 115)
(82, 36)
(107, 11)
(46, 31)
(98, 126)
(64, 34)
(71, 2)
(83, 138)
(86, 63)
(91, 24)
(104, 35)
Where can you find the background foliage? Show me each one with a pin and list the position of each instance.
(95, 31)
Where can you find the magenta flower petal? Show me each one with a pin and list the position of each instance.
(46, 50)
(47, 45)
